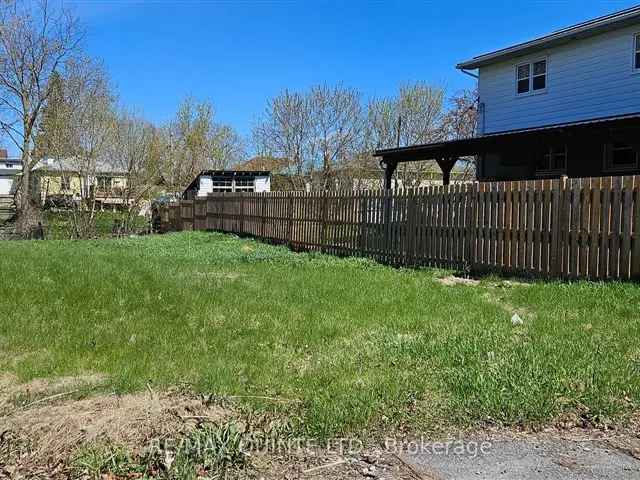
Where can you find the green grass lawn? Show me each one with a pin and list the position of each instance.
(362, 346)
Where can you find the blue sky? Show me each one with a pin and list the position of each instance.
(237, 54)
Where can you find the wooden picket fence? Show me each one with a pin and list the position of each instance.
(562, 228)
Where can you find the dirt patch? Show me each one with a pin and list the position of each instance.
(324, 464)
(452, 281)
(509, 284)
(492, 294)
(42, 441)
(497, 300)
(128, 420)
(42, 435)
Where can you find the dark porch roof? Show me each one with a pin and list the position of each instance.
(487, 143)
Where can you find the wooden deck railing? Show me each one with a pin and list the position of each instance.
(574, 228)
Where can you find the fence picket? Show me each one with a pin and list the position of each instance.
(583, 241)
(594, 227)
(574, 228)
(625, 248)
(616, 208)
(603, 267)
(635, 243)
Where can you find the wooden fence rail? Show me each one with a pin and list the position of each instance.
(563, 228)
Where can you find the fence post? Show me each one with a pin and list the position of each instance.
(410, 229)
(262, 213)
(362, 218)
(223, 201)
(386, 223)
(241, 213)
(206, 213)
(635, 243)
(325, 211)
(557, 218)
(189, 217)
(471, 207)
(162, 212)
(290, 218)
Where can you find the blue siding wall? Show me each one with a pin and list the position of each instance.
(586, 79)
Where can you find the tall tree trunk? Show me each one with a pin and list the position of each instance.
(28, 212)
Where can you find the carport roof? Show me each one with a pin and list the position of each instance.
(477, 145)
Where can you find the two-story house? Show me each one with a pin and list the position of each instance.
(567, 103)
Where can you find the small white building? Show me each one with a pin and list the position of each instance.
(210, 181)
(9, 168)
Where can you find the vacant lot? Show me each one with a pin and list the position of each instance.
(341, 345)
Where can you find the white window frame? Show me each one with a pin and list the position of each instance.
(635, 50)
(518, 78)
(531, 91)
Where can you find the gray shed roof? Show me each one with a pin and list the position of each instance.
(589, 28)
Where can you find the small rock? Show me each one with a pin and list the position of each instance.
(516, 320)
(369, 472)
(370, 459)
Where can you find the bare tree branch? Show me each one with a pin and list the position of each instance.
(34, 41)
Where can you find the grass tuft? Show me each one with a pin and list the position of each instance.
(94, 461)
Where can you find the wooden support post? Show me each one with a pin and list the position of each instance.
(446, 165)
(389, 169)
